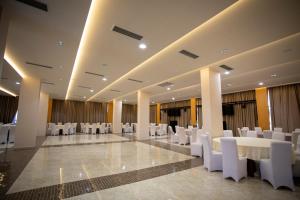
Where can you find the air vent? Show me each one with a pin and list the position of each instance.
(95, 74)
(165, 84)
(3, 78)
(39, 65)
(115, 90)
(226, 67)
(188, 54)
(85, 87)
(127, 33)
(48, 83)
(35, 4)
(134, 80)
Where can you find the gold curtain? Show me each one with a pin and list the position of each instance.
(8, 108)
(129, 113)
(152, 113)
(285, 106)
(78, 111)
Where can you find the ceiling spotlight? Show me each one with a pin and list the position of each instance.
(227, 72)
(60, 79)
(224, 51)
(152, 102)
(60, 66)
(18, 83)
(60, 43)
(142, 46)
(168, 88)
(125, 100)
(274, 75)
(260, 83)
(229, 84)
(84, 97)
(91, 90)
(104, 79)
(173, 98)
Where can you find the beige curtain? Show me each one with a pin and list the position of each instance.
(245, 111)
(285, 106)
(129, 113)
(78, 111)
(152, 113)
(8, 108)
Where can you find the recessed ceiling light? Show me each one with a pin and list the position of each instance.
(260, 83)
(152, 102)
(168, 88)
(142, 46)
(104, 79)
(227, 72)
(229, 84)
(60, 79)
(84, 97)
(274, 75)
(173, 98)
(60, 66)
(18, 83)
(125, 100)
(104, 65)
(60, 43)
(224, 51)
(91, 90)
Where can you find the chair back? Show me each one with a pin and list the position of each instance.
(206, 148)
(227, 133)
(245, 128)
(170, 130)
(239, 132)
(199, 133)
(298, 146)
(278, 136)
(258, 130)
(268, 134)
(295, 138)
(277, 129)
(59, 123)
(190, 127)
(297, 129)
(230, 154)
(194, 134)
(182, 135)
(252, 134)
(176, 129)
(152, 130)
(281, 159)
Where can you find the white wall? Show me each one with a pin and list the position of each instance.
(43, 113)
(28, 113)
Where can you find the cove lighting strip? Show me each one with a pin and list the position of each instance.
(7, 91)
(83, 40)
(14, 65)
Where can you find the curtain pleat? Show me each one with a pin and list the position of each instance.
(153, 114)
(77, 111)
(129, 113)
(8, 108)
(285, 106)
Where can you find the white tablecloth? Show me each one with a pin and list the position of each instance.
(252, 148)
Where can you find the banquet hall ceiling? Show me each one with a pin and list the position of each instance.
(260, 40)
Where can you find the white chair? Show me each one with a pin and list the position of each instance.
(295, 139)
(73, 128)
(193, 136)
(190, 127)
(252, 134)
(66, 129)
(162, 129)
(212, 159)
(86, 128)
(278, 169)
(245, 128)
(3, 134)
(240, 132)
(55, 130)
(297, 129)
(278, 136)
(82, 127)
(59, 123)
(233, 166)
(297, 151)
(227, 133)
(50, 126)
(94, 128)
(258, 131)
(268, 134)
(102, 129)
(174, 136)
(196, 146)
(12, 134)
(152, 130)
(183, 138)
(277, 129)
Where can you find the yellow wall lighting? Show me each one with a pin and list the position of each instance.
(172, 45)
(7, 91)
(83, 40)
(14, 65)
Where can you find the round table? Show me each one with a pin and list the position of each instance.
(252, 148)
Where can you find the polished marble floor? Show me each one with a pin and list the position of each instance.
(120, 167)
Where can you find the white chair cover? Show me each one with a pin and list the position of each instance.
(227, 133)
(278, 169)
(232, 166)
(268, 134)
(197, 146)
(183, 138)
(212, 159)
(152, 130)
(251, 134)
(278, 136)
(12, 130)
(277, 129)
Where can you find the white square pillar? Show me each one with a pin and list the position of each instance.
(117, 116)
(43, 114)
(211, 102)
(143, 115)
(28, 113)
